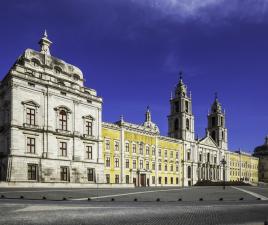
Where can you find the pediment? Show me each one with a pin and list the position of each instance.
(209, 142)
(31, 103)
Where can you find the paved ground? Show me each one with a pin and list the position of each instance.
(146, 210)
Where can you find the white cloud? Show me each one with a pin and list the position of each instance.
(209, 10)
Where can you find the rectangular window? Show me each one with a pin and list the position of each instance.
(134, 164)
(159, 180)
(165, 153)
(153, 179)
(90, 174)
(159, 152)
(32, 171)
(134, 148)
(64, 173)
(165, 180)
(186, 106)
(188, 155)
(127, 147)
(147, 150)
(30, 145)
(141, 164)
(171, 154)
(127, 163)
(107, 145)
(153, 150)
(63, 120)
(63, 148)
(89, 152)
(127, 179)
(108, 162)
(171, 180)
(116, 146)
(171, 167)
(141, 148)
(117, 179)
(153, 166)
(177, 180)
(177, 168)
(116, 162)
(159, 167)
(30, 116)
(89, 128)
(177, 155)
(107, 178)
(200, 157)
(165, 167)
(147, 165)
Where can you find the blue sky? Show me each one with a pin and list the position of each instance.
(131, 52)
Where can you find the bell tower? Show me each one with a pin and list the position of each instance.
(181, 119)
(216, 124)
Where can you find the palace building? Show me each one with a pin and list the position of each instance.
(51, 131)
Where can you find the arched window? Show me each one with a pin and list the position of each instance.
(35, 62)
(57, 69)
(76, 77)
(187, 124)
(63, 120)
(189, 172)
(176, 124)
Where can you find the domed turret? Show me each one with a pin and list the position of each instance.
(262, 150)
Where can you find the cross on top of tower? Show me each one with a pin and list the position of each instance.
(180, 74)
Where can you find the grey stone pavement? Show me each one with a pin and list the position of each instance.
(117, 206)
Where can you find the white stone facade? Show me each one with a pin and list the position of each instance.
(51, 126)
(202, 157)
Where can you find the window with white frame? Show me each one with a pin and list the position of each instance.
(134, 148)
(153, 150)
(30, 116)
(64, 173)
(89, 127)
(108, 162)
(134, 164)
(116, 162)
(141, 164)
(147, 165)
(116, 145)
(90, 174)
(127, 147)
(89, 152)
(63, 120)
(165, 153)
(147, 150)
(141, 148)
(32, 171)
(63, 148)
(127, 163)
(31, 145)
(31, 111)
(62, 115)
(107, 144)
(153, 166)
(177, 155)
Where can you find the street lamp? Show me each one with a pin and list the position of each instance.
(223, 162)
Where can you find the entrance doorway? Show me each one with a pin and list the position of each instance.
(143, 180)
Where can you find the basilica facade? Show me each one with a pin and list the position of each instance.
(51, 132)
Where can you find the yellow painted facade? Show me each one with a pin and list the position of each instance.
(243, 167)
(134, 154)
